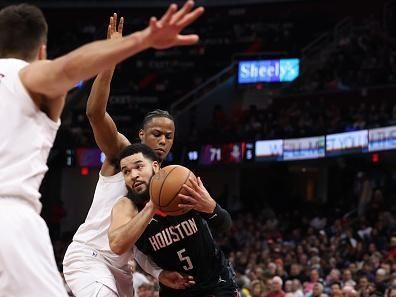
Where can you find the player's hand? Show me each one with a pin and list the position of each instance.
(198, 197)
(150, 205)
(165, 33)
(175, 280)
(114, 31)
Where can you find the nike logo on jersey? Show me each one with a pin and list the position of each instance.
(173, 234)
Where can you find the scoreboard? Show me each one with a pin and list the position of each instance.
(230, 153)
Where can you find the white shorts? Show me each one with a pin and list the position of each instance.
(85, 270)
(96, 290)
(27, 262)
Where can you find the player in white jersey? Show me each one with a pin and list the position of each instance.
(32, 92)
(90, 266)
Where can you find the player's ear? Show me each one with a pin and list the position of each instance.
(42, 53)
(141, 134)
(156, 166)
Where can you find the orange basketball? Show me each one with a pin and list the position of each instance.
(165, 187)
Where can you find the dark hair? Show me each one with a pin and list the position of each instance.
(157, 113)
(23, 29)
(336, 283)
(136, 148)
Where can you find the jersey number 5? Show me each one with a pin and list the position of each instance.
(187, 260)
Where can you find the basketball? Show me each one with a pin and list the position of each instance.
(165, 187)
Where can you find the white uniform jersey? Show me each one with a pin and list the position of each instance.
(89, 261)
(93, 232)
(26, 137)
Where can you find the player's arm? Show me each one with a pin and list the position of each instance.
(171, 279)
(127, 224)
(219, 220)
(199, 199)
(105, 131)
(54, 78)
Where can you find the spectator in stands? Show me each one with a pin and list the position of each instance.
(317, 291)
(335, 290)
(276, 288)
(314, 277)
(288, 288)
(391, 292)
(146, 290)
(347, 278)
(333, 276)
(244, 285)
(138, 277)
(258, 288)
(296, 272)
(297, 288)
(381, 281)
(349, 291)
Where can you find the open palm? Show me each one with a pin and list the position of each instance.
(165, 33)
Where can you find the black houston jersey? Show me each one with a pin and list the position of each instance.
(185, 244)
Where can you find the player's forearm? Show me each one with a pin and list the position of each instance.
(123, 238)
(104, 128)
(99, 95)
(57, 77)
(89, 60)
(220, 220)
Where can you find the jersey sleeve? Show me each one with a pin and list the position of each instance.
(218, 221)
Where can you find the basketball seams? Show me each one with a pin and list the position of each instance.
(173, 187)
(162, 185)
(170, 201)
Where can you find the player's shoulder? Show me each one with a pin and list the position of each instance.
(125, 206)
(10, 69)
(124, 202)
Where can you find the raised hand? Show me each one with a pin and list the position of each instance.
(114, 31)
(165, 33)
(198, 197)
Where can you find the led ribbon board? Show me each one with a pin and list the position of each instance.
(304, 148)
(348, 142)
(382, 139)
(269, 150)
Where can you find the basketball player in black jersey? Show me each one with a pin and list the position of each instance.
(180, 243)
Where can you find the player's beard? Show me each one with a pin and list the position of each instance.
(139, 199)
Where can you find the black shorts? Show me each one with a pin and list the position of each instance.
(226, 285)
